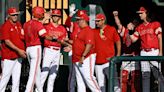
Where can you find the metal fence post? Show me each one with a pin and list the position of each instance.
(111, 76)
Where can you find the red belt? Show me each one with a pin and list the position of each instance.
(54, 48)
(149, 49)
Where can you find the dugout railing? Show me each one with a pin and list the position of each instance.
(118, 59)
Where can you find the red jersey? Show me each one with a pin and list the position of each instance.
(14, 33)
(33, 30)
(105, 47)
(85, 36)
(148, 34)
(59, 32)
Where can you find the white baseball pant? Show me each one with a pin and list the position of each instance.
(11, 68)
(85, 74)
(101, 71)
(50, 66)
(130, 65)
(145, 68)
(34, 58)
(72, 77)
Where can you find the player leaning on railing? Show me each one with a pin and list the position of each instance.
(150, 33)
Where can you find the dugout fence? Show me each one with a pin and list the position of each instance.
(118, 59)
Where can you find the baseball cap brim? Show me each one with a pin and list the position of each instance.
(84, 17)
(78, 17)
(140, 11)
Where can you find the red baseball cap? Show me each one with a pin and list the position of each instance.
(38, 12)
(100, 16)
(12, 11)
(56, 12)
(141, 10)
(82, 14)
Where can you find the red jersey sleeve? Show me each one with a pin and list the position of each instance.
(68, 21)
(157, 27)
(41, 30)
(5, 32)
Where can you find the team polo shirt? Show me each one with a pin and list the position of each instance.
(149, 35)
(59, 32)
(14, 34)
(85, 36)
(105, 47)
(33, 30)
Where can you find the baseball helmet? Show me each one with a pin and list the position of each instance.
(56, 12)
(12, 11)
(38, 12)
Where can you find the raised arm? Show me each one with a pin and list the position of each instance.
(117, 20)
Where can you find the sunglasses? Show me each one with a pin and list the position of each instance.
(56, 16)
(78, 19)
(97, 20)
(14, 15)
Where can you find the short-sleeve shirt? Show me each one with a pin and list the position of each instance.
(59, 32)
(85, 36)
(148, 34)
(105, 47)
(12, 32)
(32, 30)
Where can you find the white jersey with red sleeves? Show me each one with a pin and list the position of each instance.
(148, 33)
(33, 29)
(59, 32)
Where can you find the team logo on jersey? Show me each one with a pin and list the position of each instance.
(147, 31)
(11, 29)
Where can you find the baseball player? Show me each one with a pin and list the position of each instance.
(34, 29)
(72, 28)
(13, 50)
(83, 56)
(128, 67)
(106, 37)
(51, 53)
(149, 32)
